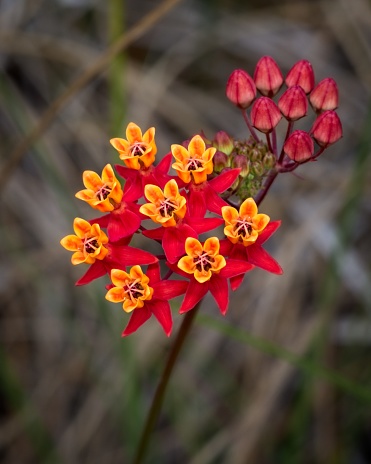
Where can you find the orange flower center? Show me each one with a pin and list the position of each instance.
(103, 192)
(90, 244)
(193, 164)
(204, 262)
(133, 289)
(138, 148)
(243, 227)
(167, 207)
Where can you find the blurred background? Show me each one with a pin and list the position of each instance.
(72, 390)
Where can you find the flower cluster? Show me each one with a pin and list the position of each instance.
(210, 194)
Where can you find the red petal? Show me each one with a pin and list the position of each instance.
(238, 252)
(164, 165)
(236, 281)
(214, 202)
(223, 181)
(133, 189)
(174, 240)
(201, 225)
(168, 289)
(102, 221)
(268, 231)
(235, 267)
(154, 234)
(122, 224)
(219, 289)
(225, 247)
(128, 256)
(175, 268)
(153, 272)
(139, 317)
(196, 203)
(96, 270)
(126, 173)
(194, 294)
(261, 258)
(161, 311)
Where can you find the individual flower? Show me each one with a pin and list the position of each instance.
(101, 193)
(268, 76)
(88, 244)
(207, 270)
(254, 254)
(325, 96)
(245, 225)
(136, 150)
(293, 103)
(195, 163)
(241, 90)
(265, 114)
(299, 146)
(327, 128)
(143, 295)
(165, 207)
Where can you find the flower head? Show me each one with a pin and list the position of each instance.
(194, 163)
(131, 289)
(165, 207)
(245, 225)
(101, 193)
(137, 150)
(202, 260)
(87, 244)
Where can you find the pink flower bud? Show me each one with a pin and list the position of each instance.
(299, 146)
(293, 103)
(265, 114)
(325, 96)
(241, 89)
(223, 142)
(240, 161)
(327, 128)
(220, 161)
(267, 76)
(301, 74)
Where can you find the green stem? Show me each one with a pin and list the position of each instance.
(164, 381)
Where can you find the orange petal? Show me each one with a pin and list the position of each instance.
(149, 135)
(78, 258)
(208, 155)
(149, 209)
(260, 222)
(119, 278)
(108, 175)
(115, 295)
(148, 158)
(182, 174)
(171, 189)
(133, 133)
(248, 208)
(91, 180)
(116, 193)
(196, 146)
(71, 243)
(193, 247)
(219, 263)
(137, 273)
(199, 175)
(153, 193)
(212, 245)
(81, 227)
(131, 162)
(230, 214)
(121, 145)
(85, 195)
(180, 153)
(186, 264)
(130, 305)
(202, 276)
(231, 234)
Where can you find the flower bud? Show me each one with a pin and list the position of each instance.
(265, 114)
(257, 169)
(299, 146)
(293, 103)
(223, 142)
(269, 160)
(267, 76)
(325, 96)
(240, 89)
(327, 128)
(240, 161)
(301, 74)
(220, 161)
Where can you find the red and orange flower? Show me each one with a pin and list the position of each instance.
(101, 193)
(137, 150)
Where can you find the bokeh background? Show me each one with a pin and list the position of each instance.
(285, 377)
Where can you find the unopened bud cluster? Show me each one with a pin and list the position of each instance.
(265, 113)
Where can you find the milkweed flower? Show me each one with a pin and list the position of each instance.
(88, 244)
(207, 270)
(195, 163)
(137, 149)
(143, 295)
(102, 193)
